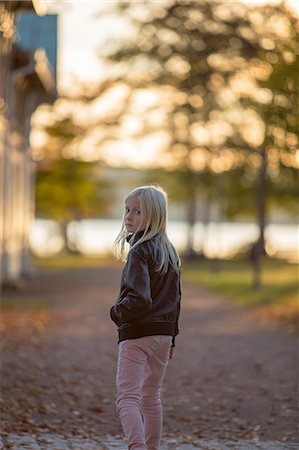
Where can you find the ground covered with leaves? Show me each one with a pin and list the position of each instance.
(233, 376)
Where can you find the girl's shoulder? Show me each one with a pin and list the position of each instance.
(145, 247)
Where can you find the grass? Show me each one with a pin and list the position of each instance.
(232, 279)
(18, 299)
(9, 303)
(67, 261)
(278, 296)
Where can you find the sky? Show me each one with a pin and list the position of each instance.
(80, 38)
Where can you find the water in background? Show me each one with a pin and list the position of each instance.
(217, 240)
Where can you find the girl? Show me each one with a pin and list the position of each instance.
(146, 314)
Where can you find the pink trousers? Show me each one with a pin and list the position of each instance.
(141, 368)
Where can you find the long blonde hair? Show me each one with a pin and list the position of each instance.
(153, 207)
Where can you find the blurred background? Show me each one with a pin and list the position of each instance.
(200, 97)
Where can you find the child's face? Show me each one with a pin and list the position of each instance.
(133, 217)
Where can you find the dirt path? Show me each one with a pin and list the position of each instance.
(233, 377)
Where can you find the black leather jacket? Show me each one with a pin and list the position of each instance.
(149, 301)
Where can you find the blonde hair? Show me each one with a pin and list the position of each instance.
(153, 207)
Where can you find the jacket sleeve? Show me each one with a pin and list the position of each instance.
(135, 300)
(177, 328)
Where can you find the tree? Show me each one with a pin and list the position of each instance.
(192, 54)
(204, 58)
(279, 110)
(68, 189)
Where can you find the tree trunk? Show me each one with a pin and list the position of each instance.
(63, 230)
(258, 249)
(216, 261)
(191, 219)
(205, 223)
(70, 239)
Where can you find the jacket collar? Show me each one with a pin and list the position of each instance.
(137, 237)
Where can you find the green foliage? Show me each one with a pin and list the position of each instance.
(280, 114)
(67, 189)
(64, 130)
